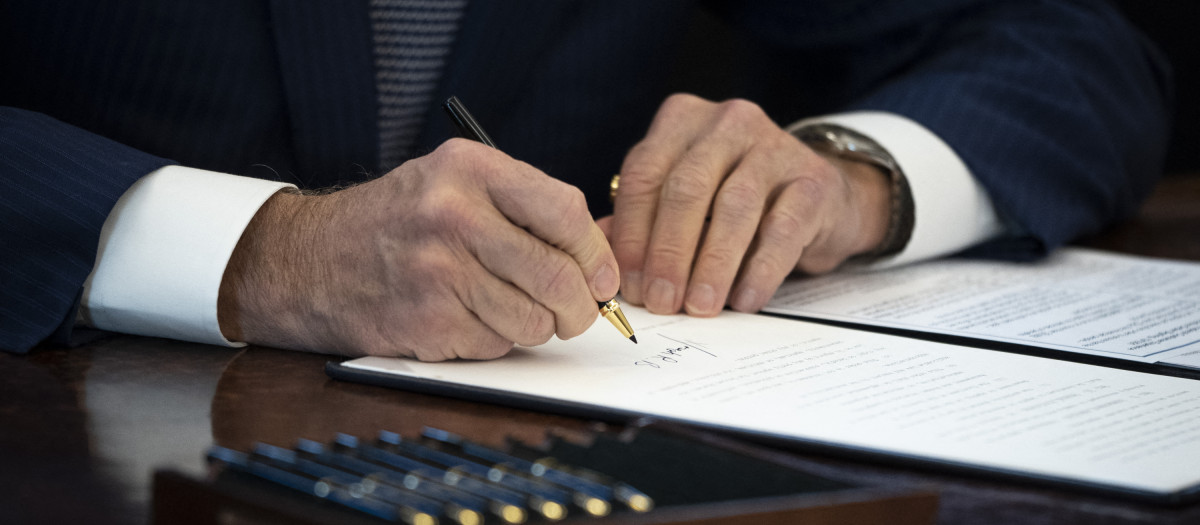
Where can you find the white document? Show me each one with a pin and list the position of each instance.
(813, 383)
(1077, 300)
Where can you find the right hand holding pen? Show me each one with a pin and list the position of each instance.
(460, 253)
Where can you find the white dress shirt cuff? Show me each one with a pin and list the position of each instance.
(163, 251)
(952, 210)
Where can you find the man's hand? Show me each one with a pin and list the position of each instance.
(719, 204)
(460, 253)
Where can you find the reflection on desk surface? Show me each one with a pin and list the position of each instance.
(80, 428)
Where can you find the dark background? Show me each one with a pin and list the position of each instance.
(1173, 25)
(713, 56)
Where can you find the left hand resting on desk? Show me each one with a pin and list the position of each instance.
(718, 203)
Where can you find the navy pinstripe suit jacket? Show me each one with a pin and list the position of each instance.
(1057, 106)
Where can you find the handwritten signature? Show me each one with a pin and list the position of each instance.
(673, 354)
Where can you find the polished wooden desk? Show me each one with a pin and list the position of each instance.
(82, 430)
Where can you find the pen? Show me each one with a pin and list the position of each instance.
(587, 495)
(460, 507)
(635, 499)
(470, 128)
(323, 488)
(507, 504)
(549, 500)
(421, 508)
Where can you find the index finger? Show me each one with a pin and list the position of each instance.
(557, 213)
(642, 173)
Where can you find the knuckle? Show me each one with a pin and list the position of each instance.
(742, 110)
(818, 264)
(629, 251)
(556, 279)
(629, 248)
(573, 206)
(537, 327)
(428, 267)
(466, 158)
(721, 256)
(769, 264)
(681, 102)
(629, 244)
(483, 346)
(445, 344)
(665, 255)
(457, 148)
(444, 212)
(434, 209)
(782, 224)
(774, 256)
(813, 187)
(576, 321)
(427, 345)
(758, 274)
(687, 185)
(740, 200)
(676, 108)
(437, 351)
(643, 167)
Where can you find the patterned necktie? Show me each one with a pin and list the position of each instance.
(412, 39)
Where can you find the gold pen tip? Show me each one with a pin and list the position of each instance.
(633, 338)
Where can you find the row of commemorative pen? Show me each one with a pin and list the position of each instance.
(439, 476)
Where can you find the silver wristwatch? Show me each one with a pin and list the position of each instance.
(832, 139)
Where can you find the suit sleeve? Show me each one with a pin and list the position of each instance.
(1059, 108)
(59, 184)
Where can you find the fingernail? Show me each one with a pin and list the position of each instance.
(747, 301)
(605, 282)
(701, 299)
(631, 287)
(661, 295)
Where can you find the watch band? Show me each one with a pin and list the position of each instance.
(844, 142)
